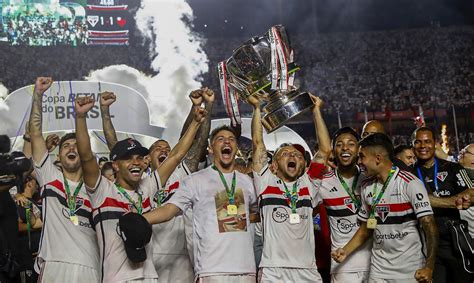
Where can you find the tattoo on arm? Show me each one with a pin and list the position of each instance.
(198, 149)
(108, 127)
(36, 115)
(428, 225)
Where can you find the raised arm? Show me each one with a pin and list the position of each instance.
(90, 168)
(322, 134)
(179, 151)
(259, 151)
(106, 99)
(428, 224)
(198, 149)
(359, 238)
(38, 144)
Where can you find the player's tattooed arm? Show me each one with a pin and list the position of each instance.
(197, 152)
(106, 99)
(259, 151)
(428, 224)
(322, 133)
(38, 144)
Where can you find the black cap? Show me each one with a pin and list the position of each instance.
(344, 130)
(135, 232)
(127, 147)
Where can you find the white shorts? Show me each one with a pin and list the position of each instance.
(380, 280)
(227, 279)
(279, 274)
(60, 272)
(353, 277)
(173, 268)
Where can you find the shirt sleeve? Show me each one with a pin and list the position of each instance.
(46, 171)
(462, 179)
(185, 196)
(418, 197)
(262, 179)
(316, 170)
(101, 190)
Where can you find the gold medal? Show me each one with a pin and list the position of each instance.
(74, 219)
(295, 218)
(231, 209)
(371, 223)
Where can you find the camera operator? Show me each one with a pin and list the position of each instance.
(13, 167)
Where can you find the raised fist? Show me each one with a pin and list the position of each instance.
(83, 104)
(208, 95)
(196, 97)
(42, 84)
(107, 98)
(51, 142)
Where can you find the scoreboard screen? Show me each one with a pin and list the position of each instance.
(64, 22)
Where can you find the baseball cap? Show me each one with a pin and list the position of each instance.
(127, 147)
(135, 232)
(344, 130)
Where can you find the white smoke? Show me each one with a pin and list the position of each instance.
(178, 58)
(3, 95)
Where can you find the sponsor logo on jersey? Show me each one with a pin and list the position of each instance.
(382, 211)
(442, 193)
(442, 176)
(381, 238)
(333, 190)
(348, 202)
(370, 195)
(280, 215)
(345, 226)
(419, 196)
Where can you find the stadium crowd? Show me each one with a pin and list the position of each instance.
(360, 210)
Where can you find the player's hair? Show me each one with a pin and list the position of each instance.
(379, 141)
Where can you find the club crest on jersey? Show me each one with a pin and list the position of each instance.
(348, 202)
(442, 176)
(382, 211)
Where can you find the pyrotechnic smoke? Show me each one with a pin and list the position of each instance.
(178, 58)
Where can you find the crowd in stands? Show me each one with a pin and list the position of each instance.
(45, 31)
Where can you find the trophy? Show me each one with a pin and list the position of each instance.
(263, 66)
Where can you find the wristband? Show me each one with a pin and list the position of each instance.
(28, 139)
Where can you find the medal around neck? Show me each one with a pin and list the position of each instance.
(264, 67)
(371, 223)
(295, 218)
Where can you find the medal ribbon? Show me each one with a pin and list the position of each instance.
(435, 176)
(71, 199)
(230, 192)
(351, 194)
(160, 197)
(376, 200)
(138, 206)
(293, 196)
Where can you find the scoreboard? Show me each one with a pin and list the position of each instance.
(64, 22)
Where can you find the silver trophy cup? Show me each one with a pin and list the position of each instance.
(264, 66)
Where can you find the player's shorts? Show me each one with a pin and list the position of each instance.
(61, 272)
(353, 277)
(278, 274)
(173, 268)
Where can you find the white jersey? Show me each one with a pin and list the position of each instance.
(223, 244)
(109, 204)
(284, 244)
(169, 238)
(397, 246)
(342, 214)
(61, 240)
